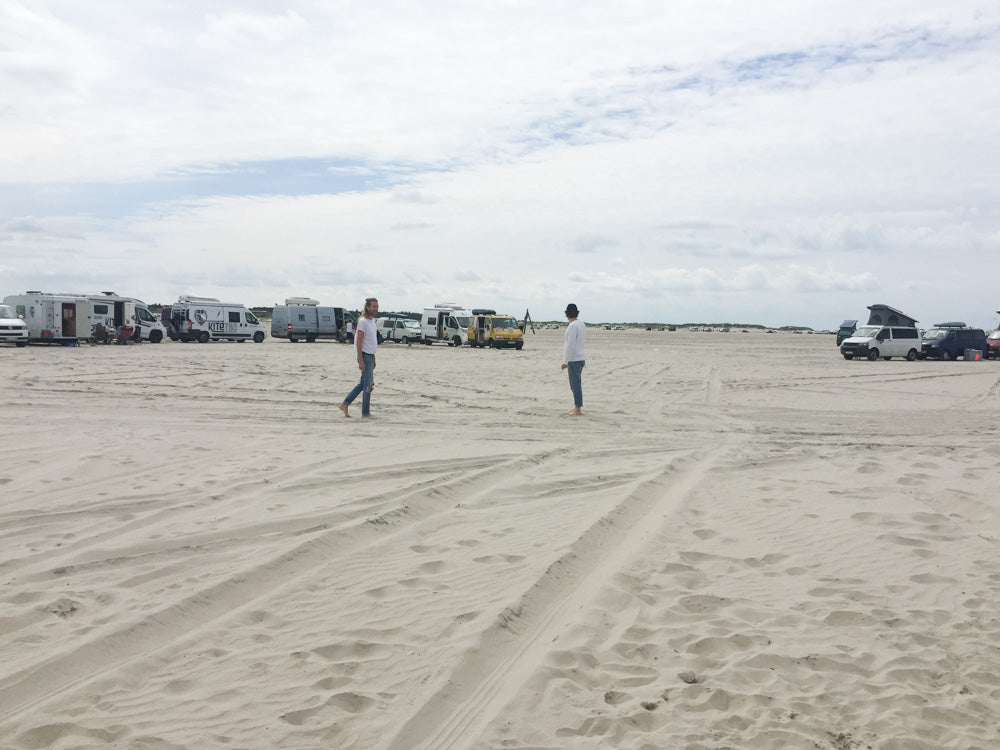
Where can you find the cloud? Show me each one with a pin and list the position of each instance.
(785, 159)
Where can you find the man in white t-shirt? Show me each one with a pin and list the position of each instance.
(365, 345)
(574, 357)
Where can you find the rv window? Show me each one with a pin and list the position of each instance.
(100, 309)
(432, 320)
(302, 317)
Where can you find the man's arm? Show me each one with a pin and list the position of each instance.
(359, 339)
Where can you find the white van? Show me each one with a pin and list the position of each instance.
(205, 319)
(13, 330)
(53, 318)
(872, 342)
(445, 322)
(110, 311)
(305, 318)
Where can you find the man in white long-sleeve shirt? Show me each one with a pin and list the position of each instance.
(574, 357)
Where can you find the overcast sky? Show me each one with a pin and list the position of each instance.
(778, 162)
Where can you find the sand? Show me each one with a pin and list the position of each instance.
(745, 542)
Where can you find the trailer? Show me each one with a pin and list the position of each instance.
(53, 318)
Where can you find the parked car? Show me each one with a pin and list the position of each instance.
(872, 342)
(12, 328)
(992, 350)
(846, 330)
(950, 340)
(403, 330)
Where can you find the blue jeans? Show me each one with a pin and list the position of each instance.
(364, 387)
(575, 370)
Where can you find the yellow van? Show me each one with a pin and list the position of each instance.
(486, 328)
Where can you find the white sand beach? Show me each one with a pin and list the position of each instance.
(745, 542)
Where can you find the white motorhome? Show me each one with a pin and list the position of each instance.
(205, 319)
(445, 322)
(59, 318)
(111, 312)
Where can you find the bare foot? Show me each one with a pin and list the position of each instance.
(575, 412)
(368, 416)
(343, 408)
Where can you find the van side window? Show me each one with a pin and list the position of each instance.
(302, 317)
(234, 317)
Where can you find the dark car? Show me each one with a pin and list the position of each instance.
(950, 341)
(846, 330)
(992, 350)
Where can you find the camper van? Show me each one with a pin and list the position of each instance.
(109, 312)
(12, 329)
(445, 322)
(486, 328)
(61, 318)
(205, 319)
(305, 318)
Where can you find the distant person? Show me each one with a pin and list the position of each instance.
(365, 345)
(574, 357)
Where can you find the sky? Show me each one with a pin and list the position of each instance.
(776, 162)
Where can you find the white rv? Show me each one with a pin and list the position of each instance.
(61, 318)
(445, 322)
(111, 312)
(205, 319)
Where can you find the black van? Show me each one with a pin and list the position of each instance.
(950, 340)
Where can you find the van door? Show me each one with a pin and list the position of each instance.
(68, 315)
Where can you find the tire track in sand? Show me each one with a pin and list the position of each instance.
(490, 674)
(26, 689)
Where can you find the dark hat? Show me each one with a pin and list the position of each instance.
(571, 310)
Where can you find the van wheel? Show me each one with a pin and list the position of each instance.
(458, 341)
(293, 340)
(945, 355)
(492, 344)
(258, 337)
(848, 356)
(911, 355)
(203, 337)
(872, 355)
(518, 345)
(155, 337)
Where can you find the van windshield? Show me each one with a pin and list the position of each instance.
(463, 321)
(994, 336)
(867, 332)
(504, 323)
(935, 333)
(7, 312)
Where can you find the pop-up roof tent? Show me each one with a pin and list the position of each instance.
(883, 315)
